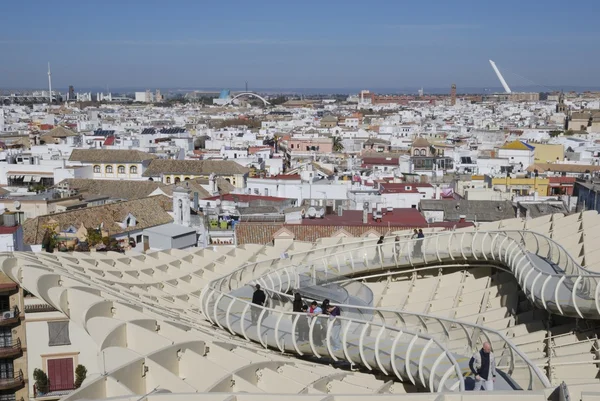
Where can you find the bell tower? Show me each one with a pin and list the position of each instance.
(181, 206)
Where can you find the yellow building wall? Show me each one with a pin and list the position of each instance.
(534, 184)
(548, 153)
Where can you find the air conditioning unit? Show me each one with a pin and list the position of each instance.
(8, 315)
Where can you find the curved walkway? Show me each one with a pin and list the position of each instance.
(547, 273)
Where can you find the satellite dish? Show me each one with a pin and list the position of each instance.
(17, 205)
(322, 213)
(312, 212)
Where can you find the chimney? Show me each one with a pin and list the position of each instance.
(462, 218)
(196, 203)
(437, 192)
(365, 215)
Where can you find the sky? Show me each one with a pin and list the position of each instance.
(298, 44)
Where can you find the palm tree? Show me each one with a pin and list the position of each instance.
(337, 144)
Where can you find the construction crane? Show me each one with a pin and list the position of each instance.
(500, 77)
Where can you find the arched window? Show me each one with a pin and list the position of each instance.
(177, 180)
(186, 179)
(108, 169)
(423, 152)
(168, 180)
(417, 152)
(121, 169)
(133, 170)
(96, 169)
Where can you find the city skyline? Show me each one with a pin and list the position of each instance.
(334, 45)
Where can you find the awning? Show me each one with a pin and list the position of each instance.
(12, 177)
(36, 179)
(27, 178)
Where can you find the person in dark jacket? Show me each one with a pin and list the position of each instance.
(298, 303)
(483, 367)
(258, 298)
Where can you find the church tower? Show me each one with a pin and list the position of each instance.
(181, 206)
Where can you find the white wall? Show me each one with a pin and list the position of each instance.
(36, 327)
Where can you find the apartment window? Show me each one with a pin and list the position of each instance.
(168, 180)
(133, 170)
(5, 337)
(292, 146)
(121, 169)
(138, 239)
(255, 191)
(109, 169)
(58, 333)
(96, 169)
(177, 180)
(266, 192)
(7, 370)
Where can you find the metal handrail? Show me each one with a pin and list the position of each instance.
(208, 294)
(401, 244)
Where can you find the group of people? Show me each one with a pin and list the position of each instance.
(418, 235)
(482, 364)
(320, 328)
(312, 311)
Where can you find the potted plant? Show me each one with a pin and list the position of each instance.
(80, 374)
(41, 381)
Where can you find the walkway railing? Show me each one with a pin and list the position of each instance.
(548, 274)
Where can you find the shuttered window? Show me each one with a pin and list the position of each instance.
(58, 333)
(60, 374)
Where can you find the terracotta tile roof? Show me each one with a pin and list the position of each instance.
(246, 198)
(193, 167)
(119, 189)
(149, 212)
(110, 156)
(562, 168)
(262, 233)
(420, 142)
(562, 180)
(60, 132)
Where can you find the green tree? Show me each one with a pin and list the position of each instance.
(337, 144)
(41, 381)
(93, 237)
(49, 241)
(555, 133)
(569, 132)
(80, 375)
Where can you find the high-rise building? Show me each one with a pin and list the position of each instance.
(71, 94)
(453, 94)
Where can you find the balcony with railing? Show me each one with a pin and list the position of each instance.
(10, 350)
(53, 390)
(12, 382)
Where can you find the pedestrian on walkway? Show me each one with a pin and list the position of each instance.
(313, 312)
(258, 298)
(336, 326)
(483, 367)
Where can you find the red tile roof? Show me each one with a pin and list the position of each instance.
(109, 141)
(380, 161)
(262, 233)
(245, 198)
(283, 177)
(561, 180)
(405, 217)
